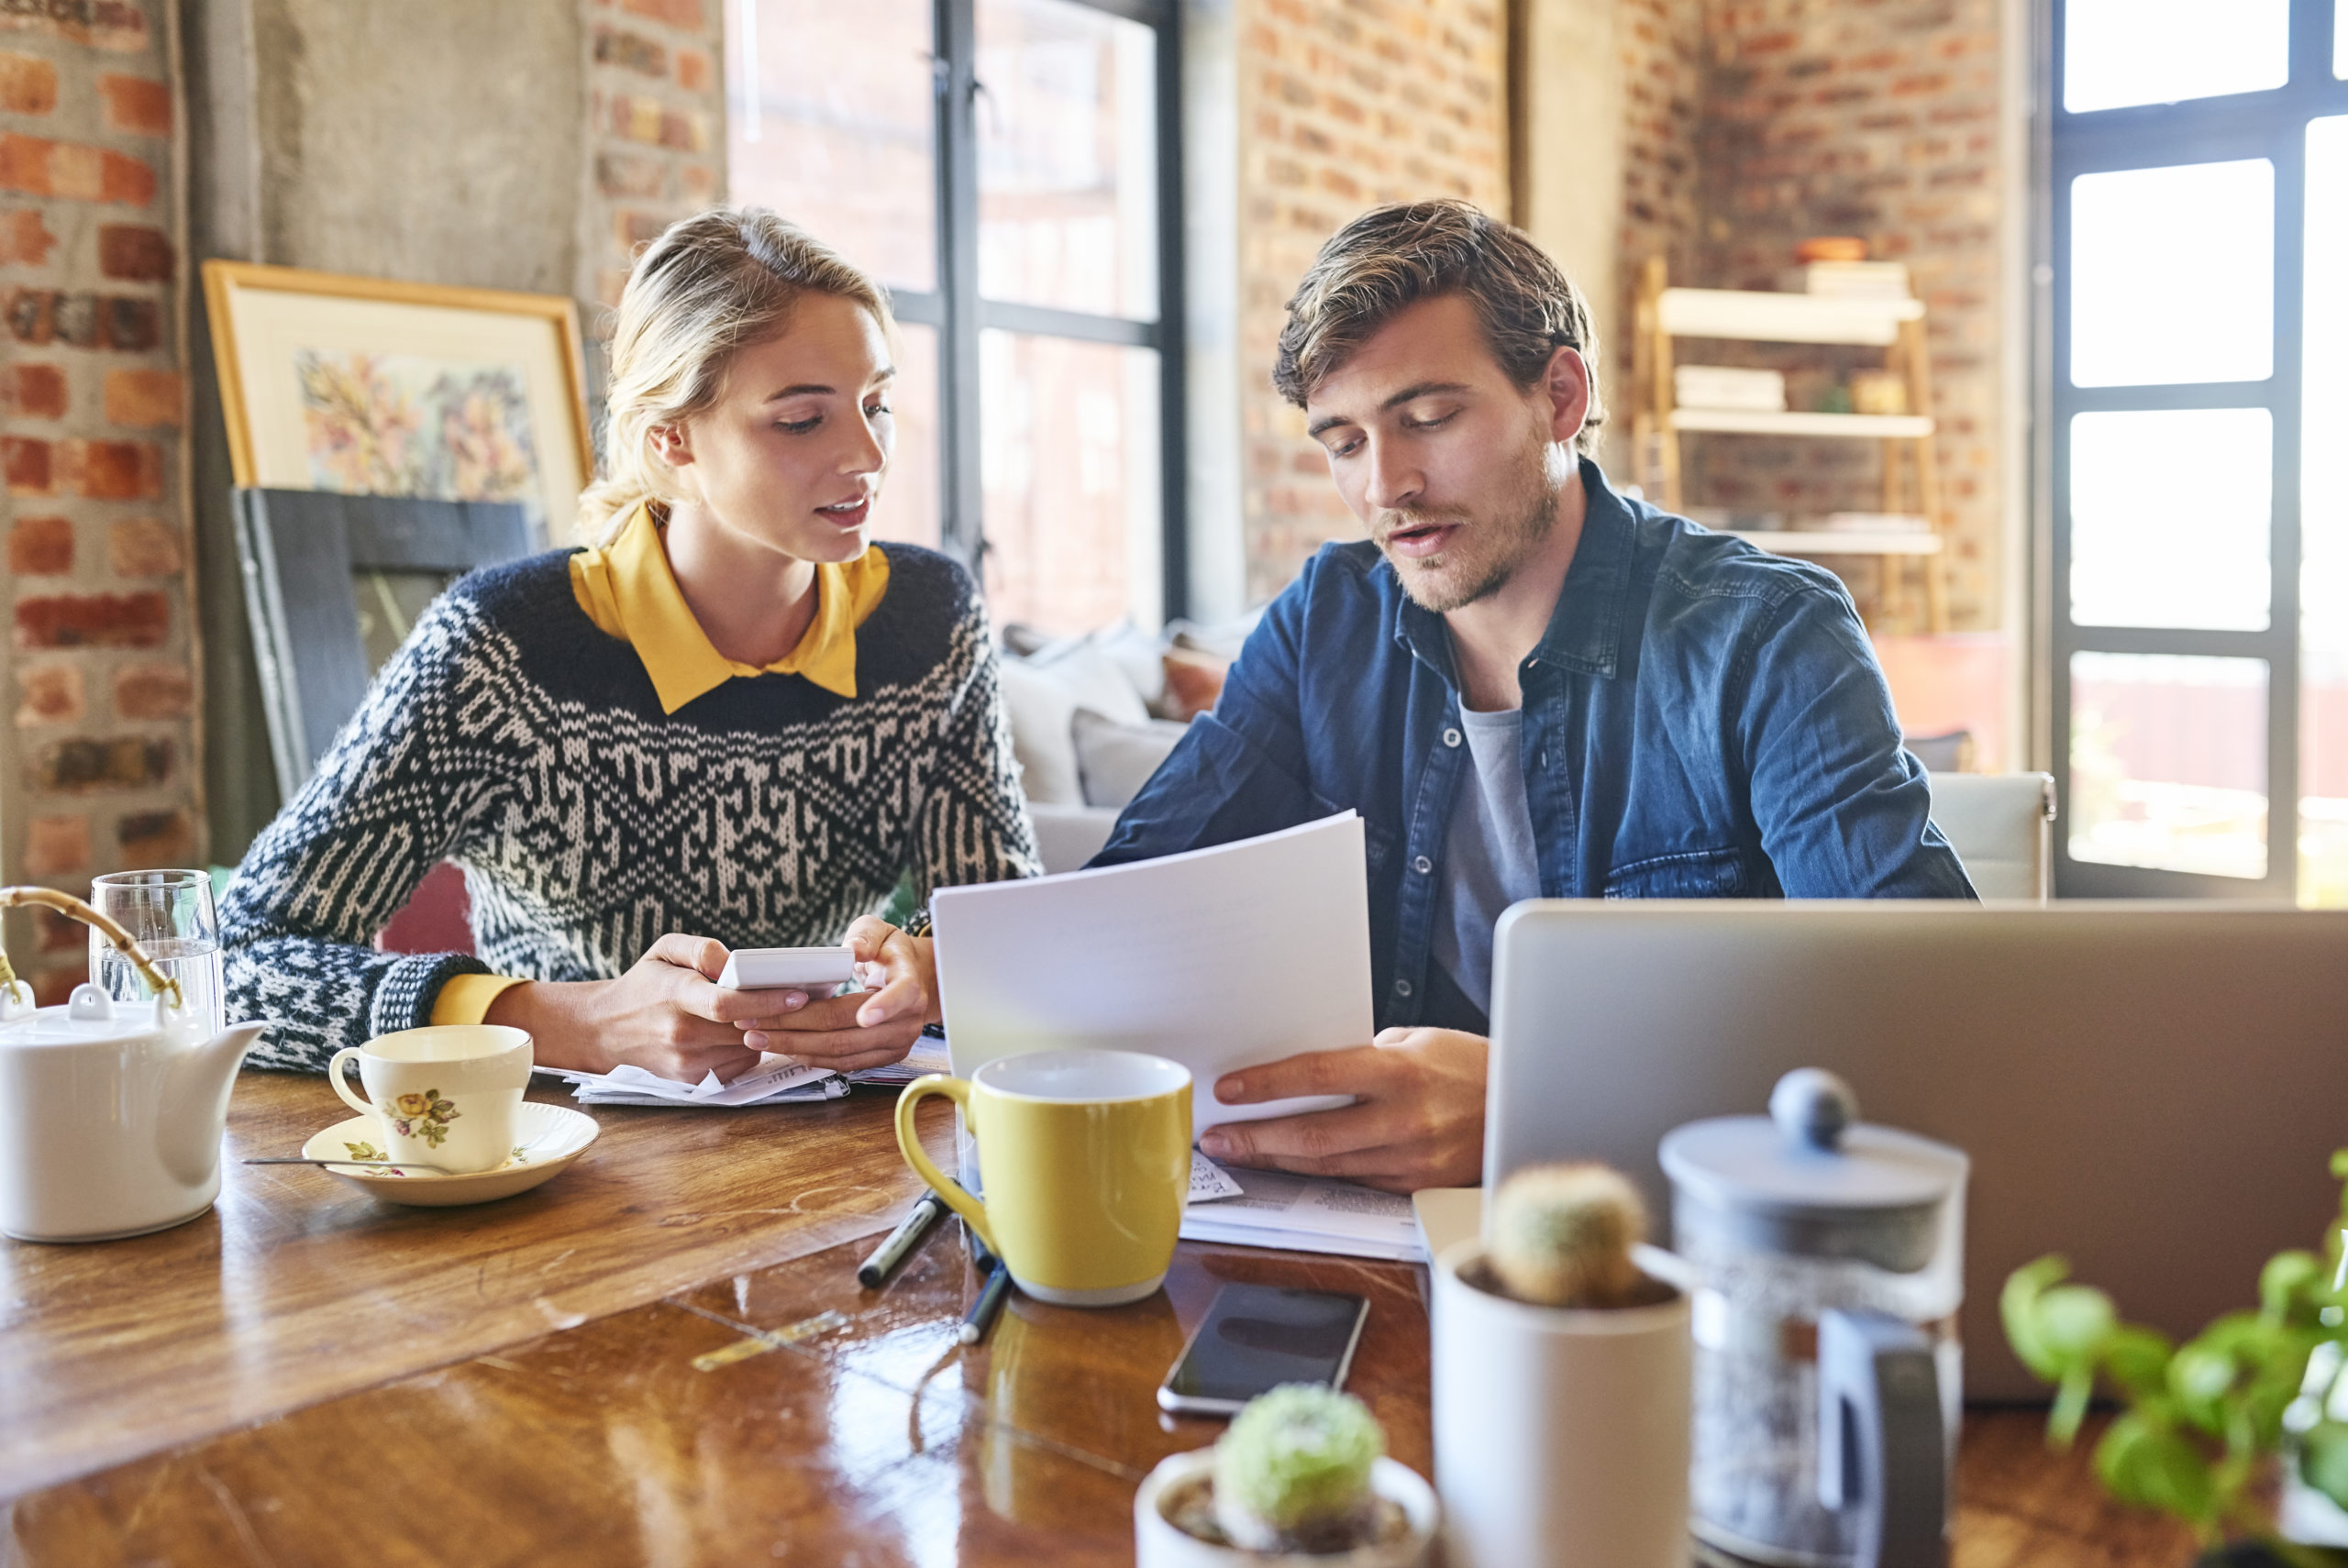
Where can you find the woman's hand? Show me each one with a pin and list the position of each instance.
(666, 1015)
(863, 1029)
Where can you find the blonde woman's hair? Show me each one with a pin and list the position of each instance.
(1390, 258)
(710, 284)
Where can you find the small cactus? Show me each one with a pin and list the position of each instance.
(1561, 1236)
(1295, 1467)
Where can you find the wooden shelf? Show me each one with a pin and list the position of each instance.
(1838, 542)
(1664, 313)
(1761, 422)
(1756, 317)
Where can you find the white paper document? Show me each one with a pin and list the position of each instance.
(928, 1055)
(777, 1080)
(1218, 958)
(1305, 1214)
(1208, 1181)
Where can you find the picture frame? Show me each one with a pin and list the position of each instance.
(369, 386)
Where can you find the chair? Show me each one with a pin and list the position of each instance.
(2001, 826)
(304, 554)
(1949, 752)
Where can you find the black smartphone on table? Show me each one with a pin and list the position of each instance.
(1256, 1337)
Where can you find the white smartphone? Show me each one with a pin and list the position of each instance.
(1256, 1337)
(773, 969)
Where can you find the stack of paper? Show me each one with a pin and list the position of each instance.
(1218, 958)
(777, 1080)
(1305, 1214)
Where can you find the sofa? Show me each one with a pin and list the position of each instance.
(1092, 717)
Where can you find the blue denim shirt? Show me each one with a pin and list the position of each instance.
(1701, 720)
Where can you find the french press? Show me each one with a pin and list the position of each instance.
(1829, 1260)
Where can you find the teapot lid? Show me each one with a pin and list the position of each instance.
(1810, 1157)
(89, 1015)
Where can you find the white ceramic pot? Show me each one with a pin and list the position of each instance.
(1158, 1544)
(111, 1115)
(1560, 1435)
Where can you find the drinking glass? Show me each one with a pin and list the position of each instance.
(170, 915)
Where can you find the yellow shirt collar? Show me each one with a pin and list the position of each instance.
(628, 590)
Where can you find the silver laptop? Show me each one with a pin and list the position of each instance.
(2152, 1090)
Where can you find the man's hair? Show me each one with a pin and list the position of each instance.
(1390, 258)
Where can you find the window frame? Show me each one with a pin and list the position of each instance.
(959, 313)
(2269, 124)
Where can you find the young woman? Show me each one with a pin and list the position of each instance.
(733, 721)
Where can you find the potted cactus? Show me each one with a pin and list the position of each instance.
(1301, 1477)
(1561, 1383)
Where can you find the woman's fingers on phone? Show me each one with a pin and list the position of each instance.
(867, 934)
(690, 1052)
(838, 1048)
(705, 955)
(898, 998)
(759, 1010)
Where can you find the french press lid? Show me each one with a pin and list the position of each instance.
(1811, 1180)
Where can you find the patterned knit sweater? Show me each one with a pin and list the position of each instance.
(509, 735)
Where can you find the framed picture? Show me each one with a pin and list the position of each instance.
(362, 386)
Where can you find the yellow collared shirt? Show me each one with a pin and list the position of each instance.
(628, 590)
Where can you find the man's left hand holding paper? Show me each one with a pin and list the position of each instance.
(1417, 1119)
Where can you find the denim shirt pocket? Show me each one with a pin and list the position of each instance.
(1690, 874)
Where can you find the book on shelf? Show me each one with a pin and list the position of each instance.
(1866, 522)
(1726, 520)
(1729, 386)
(1856, 280)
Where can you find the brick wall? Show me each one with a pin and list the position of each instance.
(97, 670)
(655, 134)
(1661, 44)
(1343, 104)
(1880, 118)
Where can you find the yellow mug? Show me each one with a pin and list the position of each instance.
(1084, 1157)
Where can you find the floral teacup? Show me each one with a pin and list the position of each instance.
(445, 1095)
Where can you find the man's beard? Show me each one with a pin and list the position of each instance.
(1527, 513)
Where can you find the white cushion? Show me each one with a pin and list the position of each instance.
(1068, 837)
(1041, 737)
(1116, 760)
(1097, 678)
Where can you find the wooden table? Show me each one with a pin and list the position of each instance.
(610, 1370)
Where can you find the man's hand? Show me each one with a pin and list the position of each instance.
(666, 1015)
(863, 1029)
(1418, 1119)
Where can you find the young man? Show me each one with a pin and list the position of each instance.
(1526, 685)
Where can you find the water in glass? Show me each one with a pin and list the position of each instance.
(170, 914)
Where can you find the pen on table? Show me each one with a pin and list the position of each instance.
(891, 1252)
(989, 1304)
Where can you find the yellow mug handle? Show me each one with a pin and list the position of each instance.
(973, 1212)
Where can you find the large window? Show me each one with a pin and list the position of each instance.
(1006, 168)
(2200, 687)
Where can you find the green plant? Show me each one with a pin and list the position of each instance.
(1562, 1236)
(2202, 1422)
(1295, 1466)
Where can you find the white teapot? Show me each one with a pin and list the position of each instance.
(111, 1113)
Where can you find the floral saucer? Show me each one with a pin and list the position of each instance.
(551, 1137)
